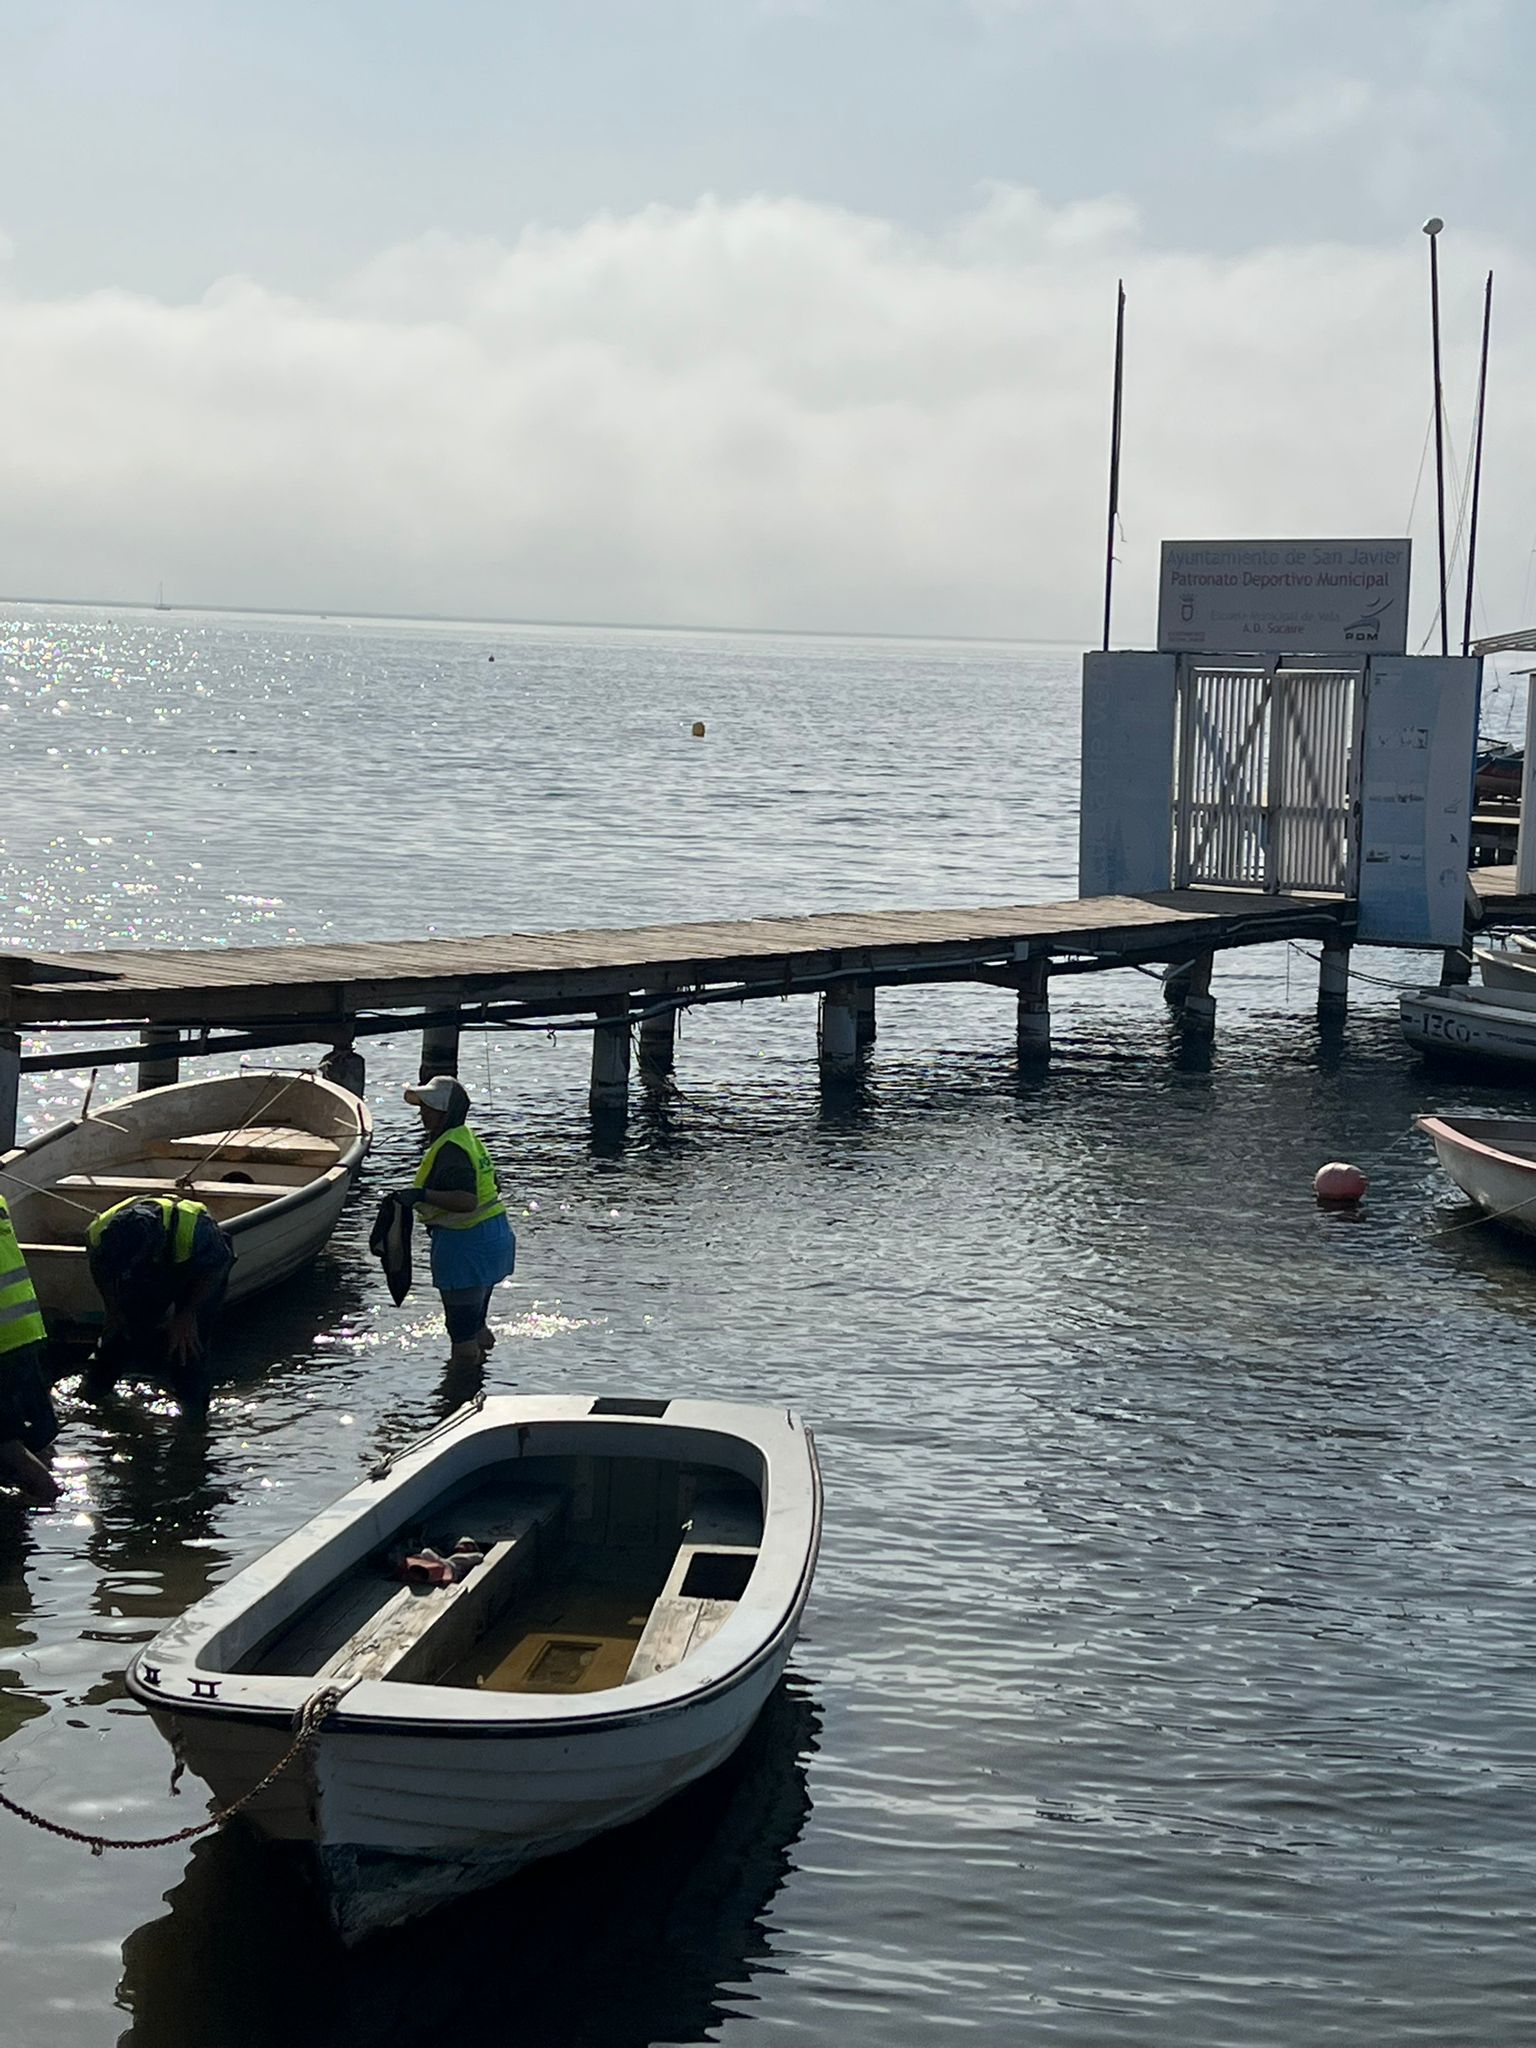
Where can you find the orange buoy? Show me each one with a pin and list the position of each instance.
(698, 728)
(1338, 1182)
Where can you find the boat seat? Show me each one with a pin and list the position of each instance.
(282, 1147)
(708, 1576)
(422, 1630)
(123, 1186)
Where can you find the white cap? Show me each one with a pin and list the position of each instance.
(436, 1093)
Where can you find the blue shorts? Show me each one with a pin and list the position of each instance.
(478, 1258)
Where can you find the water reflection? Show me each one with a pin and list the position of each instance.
(651, 1934)
(17, 1701)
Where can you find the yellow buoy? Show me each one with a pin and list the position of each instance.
(698, 728)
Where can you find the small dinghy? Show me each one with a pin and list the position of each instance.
(634, 1573)
(1492, 1160)
(270, 1155)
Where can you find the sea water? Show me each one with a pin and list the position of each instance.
(1168, 1675)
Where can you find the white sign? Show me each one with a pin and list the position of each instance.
(1284, 596)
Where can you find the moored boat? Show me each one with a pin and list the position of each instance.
(636, 1574)
(1492, 1160)
(1471, 1023)
(271, 1155)
(1508, 967)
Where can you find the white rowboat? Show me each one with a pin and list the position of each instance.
(1492, 1160)
(272, 1156)
(645, 1567)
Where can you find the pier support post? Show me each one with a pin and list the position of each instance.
(658, 1040)
(837, 1030)
(864, 1026)
(610, 1054)
(158, 1068)
(439, 1050)
(344, 1065)
(1197, 1012)
(1333, 980)
(1034, 1021)
(1456, 966)
(10, 1086)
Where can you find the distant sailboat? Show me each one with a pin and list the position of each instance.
(160, 603)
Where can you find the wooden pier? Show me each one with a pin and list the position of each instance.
(623, 984)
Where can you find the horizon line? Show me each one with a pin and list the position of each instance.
(105, 604)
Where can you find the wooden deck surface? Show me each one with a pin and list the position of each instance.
(1498, 898)
(574, 969)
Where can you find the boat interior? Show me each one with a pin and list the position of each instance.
(229, 1176)
(593, 1572)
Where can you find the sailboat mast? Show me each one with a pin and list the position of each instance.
(1477, 464)
(1114, 460)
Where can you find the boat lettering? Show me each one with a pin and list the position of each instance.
(1456, 1029)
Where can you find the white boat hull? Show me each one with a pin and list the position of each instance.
(402, 1823)
(1479, 1155)
(1470, 1023)
(1512, 969)
(415, 1791)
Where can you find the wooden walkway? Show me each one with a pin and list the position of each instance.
(610, 981)
(571, 971)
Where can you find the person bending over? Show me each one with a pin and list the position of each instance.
(161, 1265)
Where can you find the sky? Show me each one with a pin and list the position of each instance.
(757, 313)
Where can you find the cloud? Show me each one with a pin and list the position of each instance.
(769, 413)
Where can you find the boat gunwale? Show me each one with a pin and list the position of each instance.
(1440, 1129)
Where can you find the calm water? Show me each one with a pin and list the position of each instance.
(1169, 1673)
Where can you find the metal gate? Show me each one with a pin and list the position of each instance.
(1265, 774)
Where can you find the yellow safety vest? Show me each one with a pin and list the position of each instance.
(21, 1320)
(179, 1219)
(488, 1202)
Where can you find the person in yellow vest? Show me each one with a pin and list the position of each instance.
(161, 1265)
(28, 1424)
(455, 1194)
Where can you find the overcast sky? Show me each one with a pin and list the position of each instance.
(749, 312)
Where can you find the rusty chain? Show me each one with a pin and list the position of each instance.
(309, 1720)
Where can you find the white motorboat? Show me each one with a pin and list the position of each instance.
(1492, 1160)
(272, 1156)
(1469, 1022)
(643, 1569)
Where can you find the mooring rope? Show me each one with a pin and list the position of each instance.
(185, 1180)
(308, 1722)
